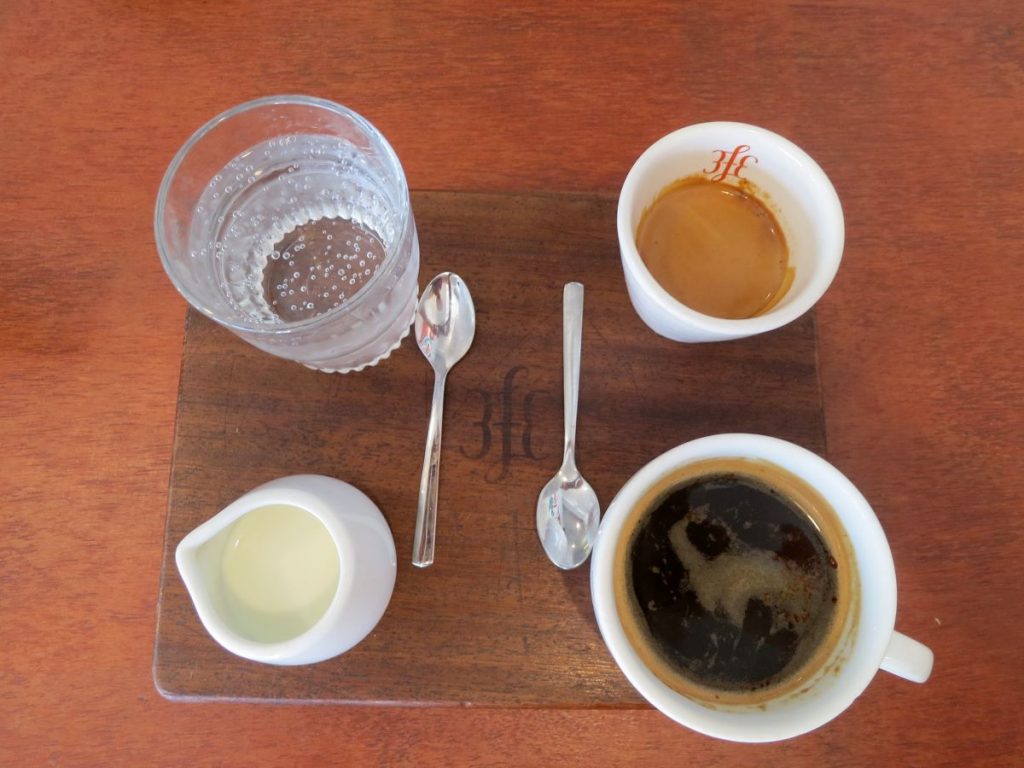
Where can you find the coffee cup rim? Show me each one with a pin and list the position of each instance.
(832, 228)
(863, 648)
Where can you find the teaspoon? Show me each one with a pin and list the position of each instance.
(568, 511)
(445, 326)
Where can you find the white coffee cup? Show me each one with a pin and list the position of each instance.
(359, 590)
(868, 641)
(794, 187)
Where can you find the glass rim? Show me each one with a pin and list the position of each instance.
(285, 327)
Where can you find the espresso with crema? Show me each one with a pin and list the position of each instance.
(731, 581)
(715, 247)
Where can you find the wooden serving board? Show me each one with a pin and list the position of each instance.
(492, 622)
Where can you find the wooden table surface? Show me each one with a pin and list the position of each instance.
(914, 110)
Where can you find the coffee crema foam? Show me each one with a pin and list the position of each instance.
(733, 581)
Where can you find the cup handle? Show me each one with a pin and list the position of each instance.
(907, 658)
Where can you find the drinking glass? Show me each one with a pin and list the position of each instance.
(287, 220)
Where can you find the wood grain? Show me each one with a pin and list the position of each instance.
(914, 111)
(491, 622)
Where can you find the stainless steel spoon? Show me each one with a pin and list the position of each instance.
(445, 326)
(568, 511)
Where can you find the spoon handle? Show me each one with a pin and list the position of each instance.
(572, 342)
(426, 507)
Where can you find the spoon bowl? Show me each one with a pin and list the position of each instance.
(445, 321)
(568, 514)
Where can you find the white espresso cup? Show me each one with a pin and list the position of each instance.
(784, 178)
(866, 643)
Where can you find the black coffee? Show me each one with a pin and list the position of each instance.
(733, 585)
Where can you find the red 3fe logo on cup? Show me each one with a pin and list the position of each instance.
(732, 166)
